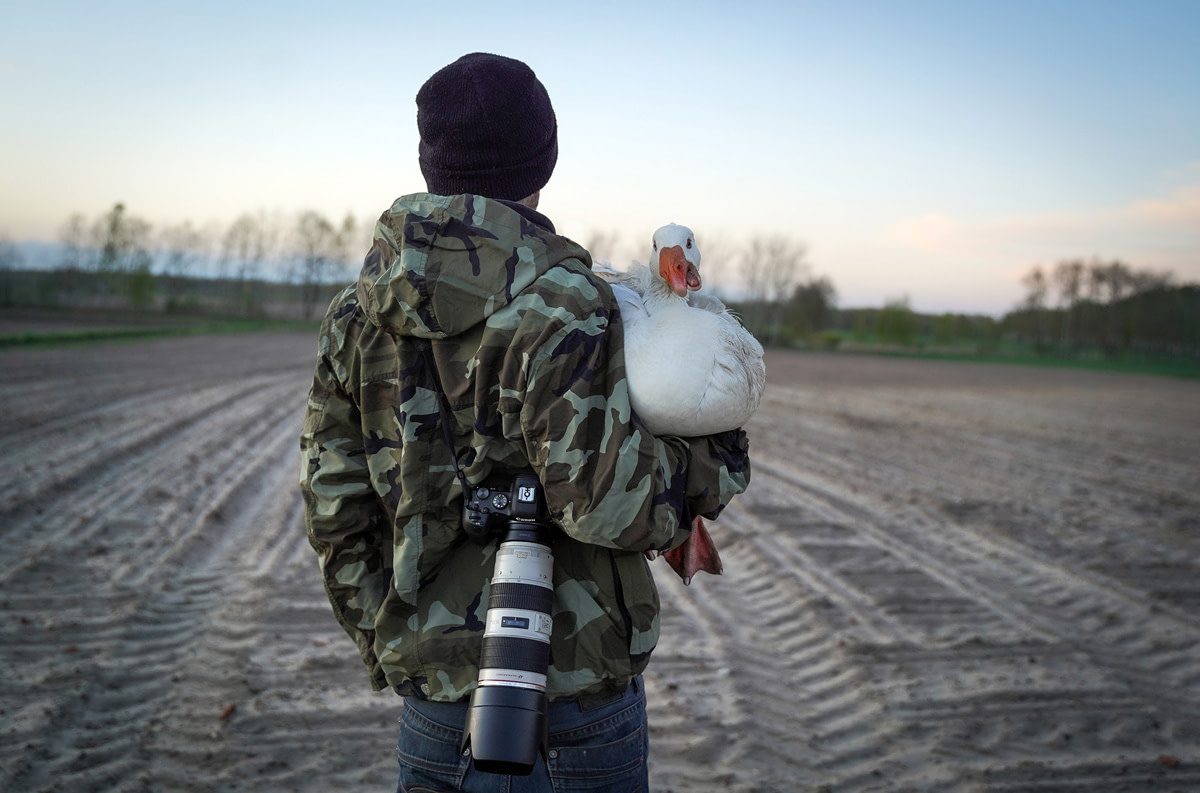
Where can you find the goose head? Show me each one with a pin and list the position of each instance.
(676, 258)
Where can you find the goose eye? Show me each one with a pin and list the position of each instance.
(689, 242)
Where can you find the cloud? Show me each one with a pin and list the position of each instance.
(980, 261)
(1180, 209)
(1168, 221)
(930, 232)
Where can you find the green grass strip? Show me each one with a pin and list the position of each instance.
(1170, 367)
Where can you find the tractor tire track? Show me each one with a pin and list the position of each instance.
(979, 662)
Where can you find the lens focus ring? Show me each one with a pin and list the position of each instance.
(502, 652)
(521, 596)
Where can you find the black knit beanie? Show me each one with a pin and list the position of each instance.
(487, 127)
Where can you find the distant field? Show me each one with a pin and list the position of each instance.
(23, 326)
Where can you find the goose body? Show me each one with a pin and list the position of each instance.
(692, 368)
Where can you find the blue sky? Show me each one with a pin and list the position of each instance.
(934, 150)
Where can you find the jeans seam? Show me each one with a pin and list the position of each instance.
(629, 713)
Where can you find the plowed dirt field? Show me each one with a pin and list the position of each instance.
(944, 577)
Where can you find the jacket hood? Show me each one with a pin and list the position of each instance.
(440, 265)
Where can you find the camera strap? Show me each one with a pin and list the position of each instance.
(444, 410)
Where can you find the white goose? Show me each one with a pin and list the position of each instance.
(692, 368)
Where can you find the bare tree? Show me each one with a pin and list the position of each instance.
(345, 246)
(788, 263)
(1035, 302)
(246, 245)
(602, 245)
(180, 247)
(125, 260)
(1096, 276)
(108, 232)
(318, 247)
(771, 268)
(1035, 282)
(1068, 277)
(78, 255)
(753, 266)
(1108, 283)
(716, 255)
(10, 259)
(73, 236)
(123, 240)
(360, 243)
(1119, 279)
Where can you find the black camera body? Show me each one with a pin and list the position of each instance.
(489, 507)
(507, 721)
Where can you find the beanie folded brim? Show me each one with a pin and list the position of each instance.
(511, 182)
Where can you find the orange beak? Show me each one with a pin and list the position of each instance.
(677, 271)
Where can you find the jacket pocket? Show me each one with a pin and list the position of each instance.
(638, 599)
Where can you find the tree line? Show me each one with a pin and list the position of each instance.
(268, 265)
(1075, 308)
(120, 259)
(1107, 306)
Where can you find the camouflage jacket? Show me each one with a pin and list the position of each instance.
(527, 345)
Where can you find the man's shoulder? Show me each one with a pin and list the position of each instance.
(347, 331)
(343, 311)
(343, 303)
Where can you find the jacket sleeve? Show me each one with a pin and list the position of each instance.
(342, 513)
(718, 470)
(608, 480)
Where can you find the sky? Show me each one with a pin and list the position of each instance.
(928, 151)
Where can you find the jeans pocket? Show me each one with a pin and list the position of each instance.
(428, 754)
(612, 757)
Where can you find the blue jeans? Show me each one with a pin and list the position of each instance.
(594, 748)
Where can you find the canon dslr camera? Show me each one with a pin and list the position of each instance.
(489, 507)
(507, 720)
